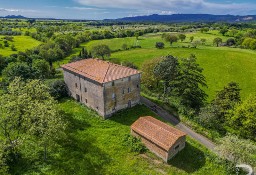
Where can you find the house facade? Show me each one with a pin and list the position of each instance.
(102, 86)
(162, 139)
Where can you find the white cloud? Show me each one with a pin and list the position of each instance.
(178, 6)
(16, 10)
(84, 8)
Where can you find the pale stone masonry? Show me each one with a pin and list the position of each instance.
(103, 86)
(162, 139)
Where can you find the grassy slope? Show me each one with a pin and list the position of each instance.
(20, 42)
(221, 65)
(95, 147)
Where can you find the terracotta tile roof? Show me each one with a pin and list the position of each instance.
(156, 131)
(99, 70)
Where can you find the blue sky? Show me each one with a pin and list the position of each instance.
(102, 9)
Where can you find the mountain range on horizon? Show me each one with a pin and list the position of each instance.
(189, 18)
(168, 18)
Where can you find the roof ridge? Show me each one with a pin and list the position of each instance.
(175, 135)
(106, 73)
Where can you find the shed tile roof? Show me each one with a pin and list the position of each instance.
(99, 70)
(156, 131)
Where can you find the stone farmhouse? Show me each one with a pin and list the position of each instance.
(162, 139)
(102, 86)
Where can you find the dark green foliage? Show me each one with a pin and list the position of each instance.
(41, 69)
(125, 47)
(58, 89)
(13, 47)
(134, 144)
(19, 69)
(84, 53)
(101, 51)
(159, 45)
(217, 41)
(129, 64)
(170, 38)
(226, 100)
(231, 42)
(189, 83)
(182, 37)
(167, 70)
(223, 31)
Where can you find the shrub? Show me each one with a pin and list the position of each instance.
(58, 89)
(134, 144)
(159, 45)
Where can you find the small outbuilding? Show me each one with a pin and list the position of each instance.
(162, 139)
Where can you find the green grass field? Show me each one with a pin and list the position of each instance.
(95, 146)
(221, 64)
(21, 43)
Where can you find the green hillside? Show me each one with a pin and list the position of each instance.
(21, 43)
(221, 64)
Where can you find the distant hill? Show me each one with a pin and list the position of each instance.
(15, 17)
(188, 18)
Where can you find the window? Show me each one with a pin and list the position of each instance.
(177, 147)
(113, 83)
(85, 89)
(97, 108)
(129, 90)
(138, 86)
(85, 100)
(123, 91)
(76, 85)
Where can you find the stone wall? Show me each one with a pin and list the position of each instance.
(119, 93)
(159, 151)
(90, 93)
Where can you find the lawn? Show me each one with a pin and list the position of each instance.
(95, 146)
(21, 43)
(221, 64)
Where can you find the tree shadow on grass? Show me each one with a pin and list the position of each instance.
(77, 154)
(190, 159)
(129, 116)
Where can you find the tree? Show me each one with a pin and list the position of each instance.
(84, 53)
(13, 47)
(58, 89)
(19, 69)
(203, 40)
(242, 120)
(205, 29)
(226, 100)
(149, 78)
(196, 43)
(159, 45)
(124, 47)
(237, 150)
(191, 38)
(41, 68)
(231, 42)
(171, 38)
(189, 83)
(223, 31)
(217, 41)
(167, 70)
(182, 37)
(29, 118)
(101, 50)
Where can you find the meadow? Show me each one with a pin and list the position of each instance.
(96, 146)
(21, 43)
(221, 64)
